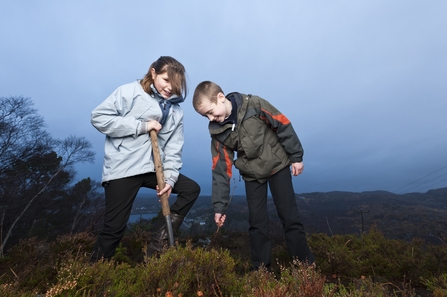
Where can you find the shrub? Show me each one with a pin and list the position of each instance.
(298, 280)
(348, 265)
(179, 271)
(437, 284)
(372, 255)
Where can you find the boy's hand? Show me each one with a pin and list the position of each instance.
(297, 168)
(153, 125)
(219, 219)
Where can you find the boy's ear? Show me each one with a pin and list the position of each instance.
(220, 96)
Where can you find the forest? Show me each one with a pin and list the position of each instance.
(39, 195)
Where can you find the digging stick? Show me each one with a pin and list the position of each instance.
(161, 185)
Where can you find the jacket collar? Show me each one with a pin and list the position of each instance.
(173, 99)
(165, 104)
(217, 128)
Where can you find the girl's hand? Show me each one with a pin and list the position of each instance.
(153, 125)
(167, 189)
(297, 168)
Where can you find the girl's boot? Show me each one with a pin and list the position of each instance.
(160, 238)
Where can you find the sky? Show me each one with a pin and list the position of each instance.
(363, 82)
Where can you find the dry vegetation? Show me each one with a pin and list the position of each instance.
(346, 266)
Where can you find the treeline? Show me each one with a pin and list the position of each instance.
(39, 196)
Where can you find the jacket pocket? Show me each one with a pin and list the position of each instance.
(116, 142)
(244, 168)
(252, 137)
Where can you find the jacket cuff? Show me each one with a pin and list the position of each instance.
(296, 159)
(170, 180)
(219, 208)
(143, 127)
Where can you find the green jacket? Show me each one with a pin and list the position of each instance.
(264, 140)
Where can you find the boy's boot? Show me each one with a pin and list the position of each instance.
(160, 239)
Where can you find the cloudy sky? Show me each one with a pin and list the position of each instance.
(363, 82)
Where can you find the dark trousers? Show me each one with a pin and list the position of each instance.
(281, 188)
(120, 195)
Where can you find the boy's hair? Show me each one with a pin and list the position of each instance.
(176, 74)
(206, 90)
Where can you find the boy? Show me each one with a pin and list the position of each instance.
(266, 146)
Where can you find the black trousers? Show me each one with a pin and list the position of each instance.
(281, 188)
(120, 195)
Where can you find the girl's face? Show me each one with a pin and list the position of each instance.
(216, 111)
(162, 83)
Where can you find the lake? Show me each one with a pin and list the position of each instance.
(136, 217)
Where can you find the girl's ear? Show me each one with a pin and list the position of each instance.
(153, 74)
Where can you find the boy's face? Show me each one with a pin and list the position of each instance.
(216, 111)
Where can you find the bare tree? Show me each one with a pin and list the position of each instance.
(24, 147)
(21, 131)
(84, 196)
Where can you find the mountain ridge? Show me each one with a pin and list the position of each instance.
(398, 216)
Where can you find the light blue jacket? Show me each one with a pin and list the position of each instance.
(128, 148)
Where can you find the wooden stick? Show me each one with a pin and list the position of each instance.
(166, 210)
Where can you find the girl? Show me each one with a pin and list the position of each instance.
(126, 117)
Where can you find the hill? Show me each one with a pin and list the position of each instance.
(406, 216)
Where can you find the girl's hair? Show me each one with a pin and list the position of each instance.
(176, 74)
(206, 90)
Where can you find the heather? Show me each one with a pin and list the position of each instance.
(347, 265)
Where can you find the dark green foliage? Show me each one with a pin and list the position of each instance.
(297, 280)
(36, 198)
(347, 265)
(187, 271)
(372, 255)
(437, 284)
(32, 265)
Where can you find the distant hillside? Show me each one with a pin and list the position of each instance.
(407, 216)
(421, 215)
